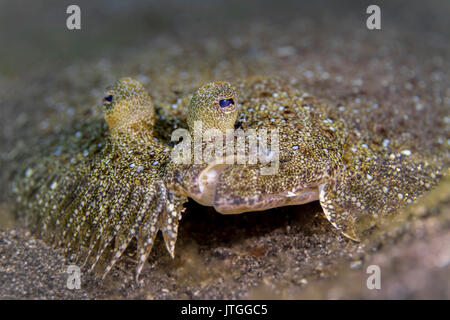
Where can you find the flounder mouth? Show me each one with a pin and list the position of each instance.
(238, 204)
(209, 177)
(207, 181)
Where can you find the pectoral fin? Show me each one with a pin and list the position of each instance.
(361, 193)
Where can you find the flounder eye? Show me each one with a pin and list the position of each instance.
(224, 103)
(108, 99)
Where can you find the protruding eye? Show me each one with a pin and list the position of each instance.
(224, 103)
(108, 99)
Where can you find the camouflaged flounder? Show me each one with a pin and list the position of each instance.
(114, 180)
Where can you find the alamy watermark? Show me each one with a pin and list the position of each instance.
(374, 280)
(373, 22)
(73, 21)
(235, 146)
(74, 278)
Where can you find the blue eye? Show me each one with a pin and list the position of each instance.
(108, 99)
(225, 103)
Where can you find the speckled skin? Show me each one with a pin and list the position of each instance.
(102, 185)
(117, 181)
(319, 159)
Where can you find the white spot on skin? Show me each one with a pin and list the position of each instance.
(406, 152)
(28, 173)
